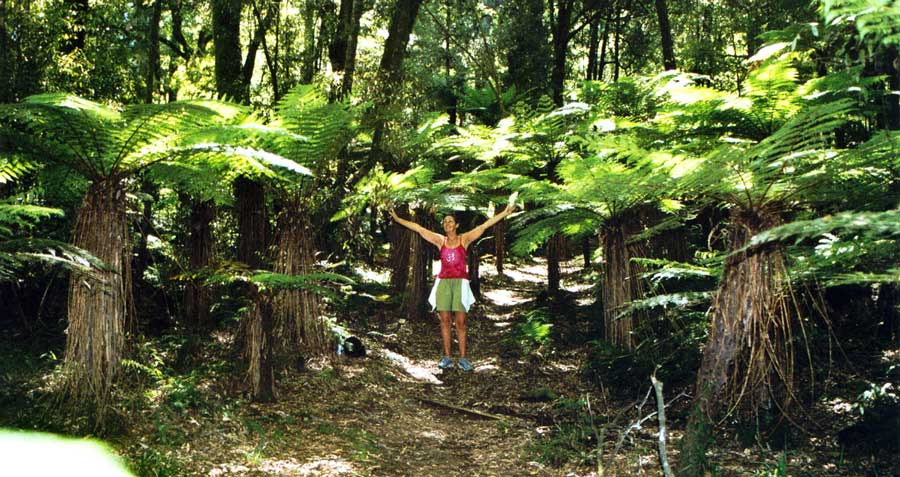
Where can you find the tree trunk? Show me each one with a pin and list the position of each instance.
(403, 19)
(748, 357)
(298, 318)
(98, 309)
(307, 68)
(259, 348)
(602, 63)
(665, 30)
(153, 62)
(616, 286)
(473, 263)
(226, 16)
(359, 7)
(555, 250)
(593, 46)
(500, 246)
(560, 49)
(201, 253)
(400, 239)
(420, 276)
(586, 252)
(337, 50)
(253, 222)
(617, 34)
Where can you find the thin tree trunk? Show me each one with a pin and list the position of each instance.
(555, 249)
(602, 64)
(560, 49)
(473, 263)
(350, 55)
(153, 62)
(98, 309)
(307, 68)
(665, 30)
(500, 245)
(593, 46)
(586, 252)
(201, 252)
(618, 34)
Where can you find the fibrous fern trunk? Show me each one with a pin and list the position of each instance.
(748, 358)
(259, 348)
(421, 255)
(298, 319)
(401, 239)
(555, 249)
(98, 305)
(621, 284)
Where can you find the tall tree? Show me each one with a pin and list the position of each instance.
(665, 31)
(403, 18)
(123, 143)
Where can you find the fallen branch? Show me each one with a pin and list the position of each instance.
(661, 409)
(464, 410)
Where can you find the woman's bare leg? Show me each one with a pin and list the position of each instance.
(445, 330)
(460, 332)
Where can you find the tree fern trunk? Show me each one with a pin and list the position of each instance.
(201, 252)
(98, 309)
(420, 277)
(259, 350)
(555, 249)
(401, 241)
(615, 287)
(748, 356)
(253, 222)
(298, 318)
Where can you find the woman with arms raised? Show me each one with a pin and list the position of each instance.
(451, 295)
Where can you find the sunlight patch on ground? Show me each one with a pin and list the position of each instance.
(534, 273)
(436, 435)
(411, 368)
(566, 368)
(504, 297)
(329, 466)
(489, 364)
(577, 287)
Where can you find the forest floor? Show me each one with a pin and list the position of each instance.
(395, 413)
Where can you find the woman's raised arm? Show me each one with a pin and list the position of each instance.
(435, 238)
(477, 232)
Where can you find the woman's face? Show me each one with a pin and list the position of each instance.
(449, 224)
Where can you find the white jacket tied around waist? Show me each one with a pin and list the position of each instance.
(468, 298)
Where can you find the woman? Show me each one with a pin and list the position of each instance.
(451, 295)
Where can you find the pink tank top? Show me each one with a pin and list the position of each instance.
(453, 262)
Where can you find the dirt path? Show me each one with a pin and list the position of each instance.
(392, 413)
